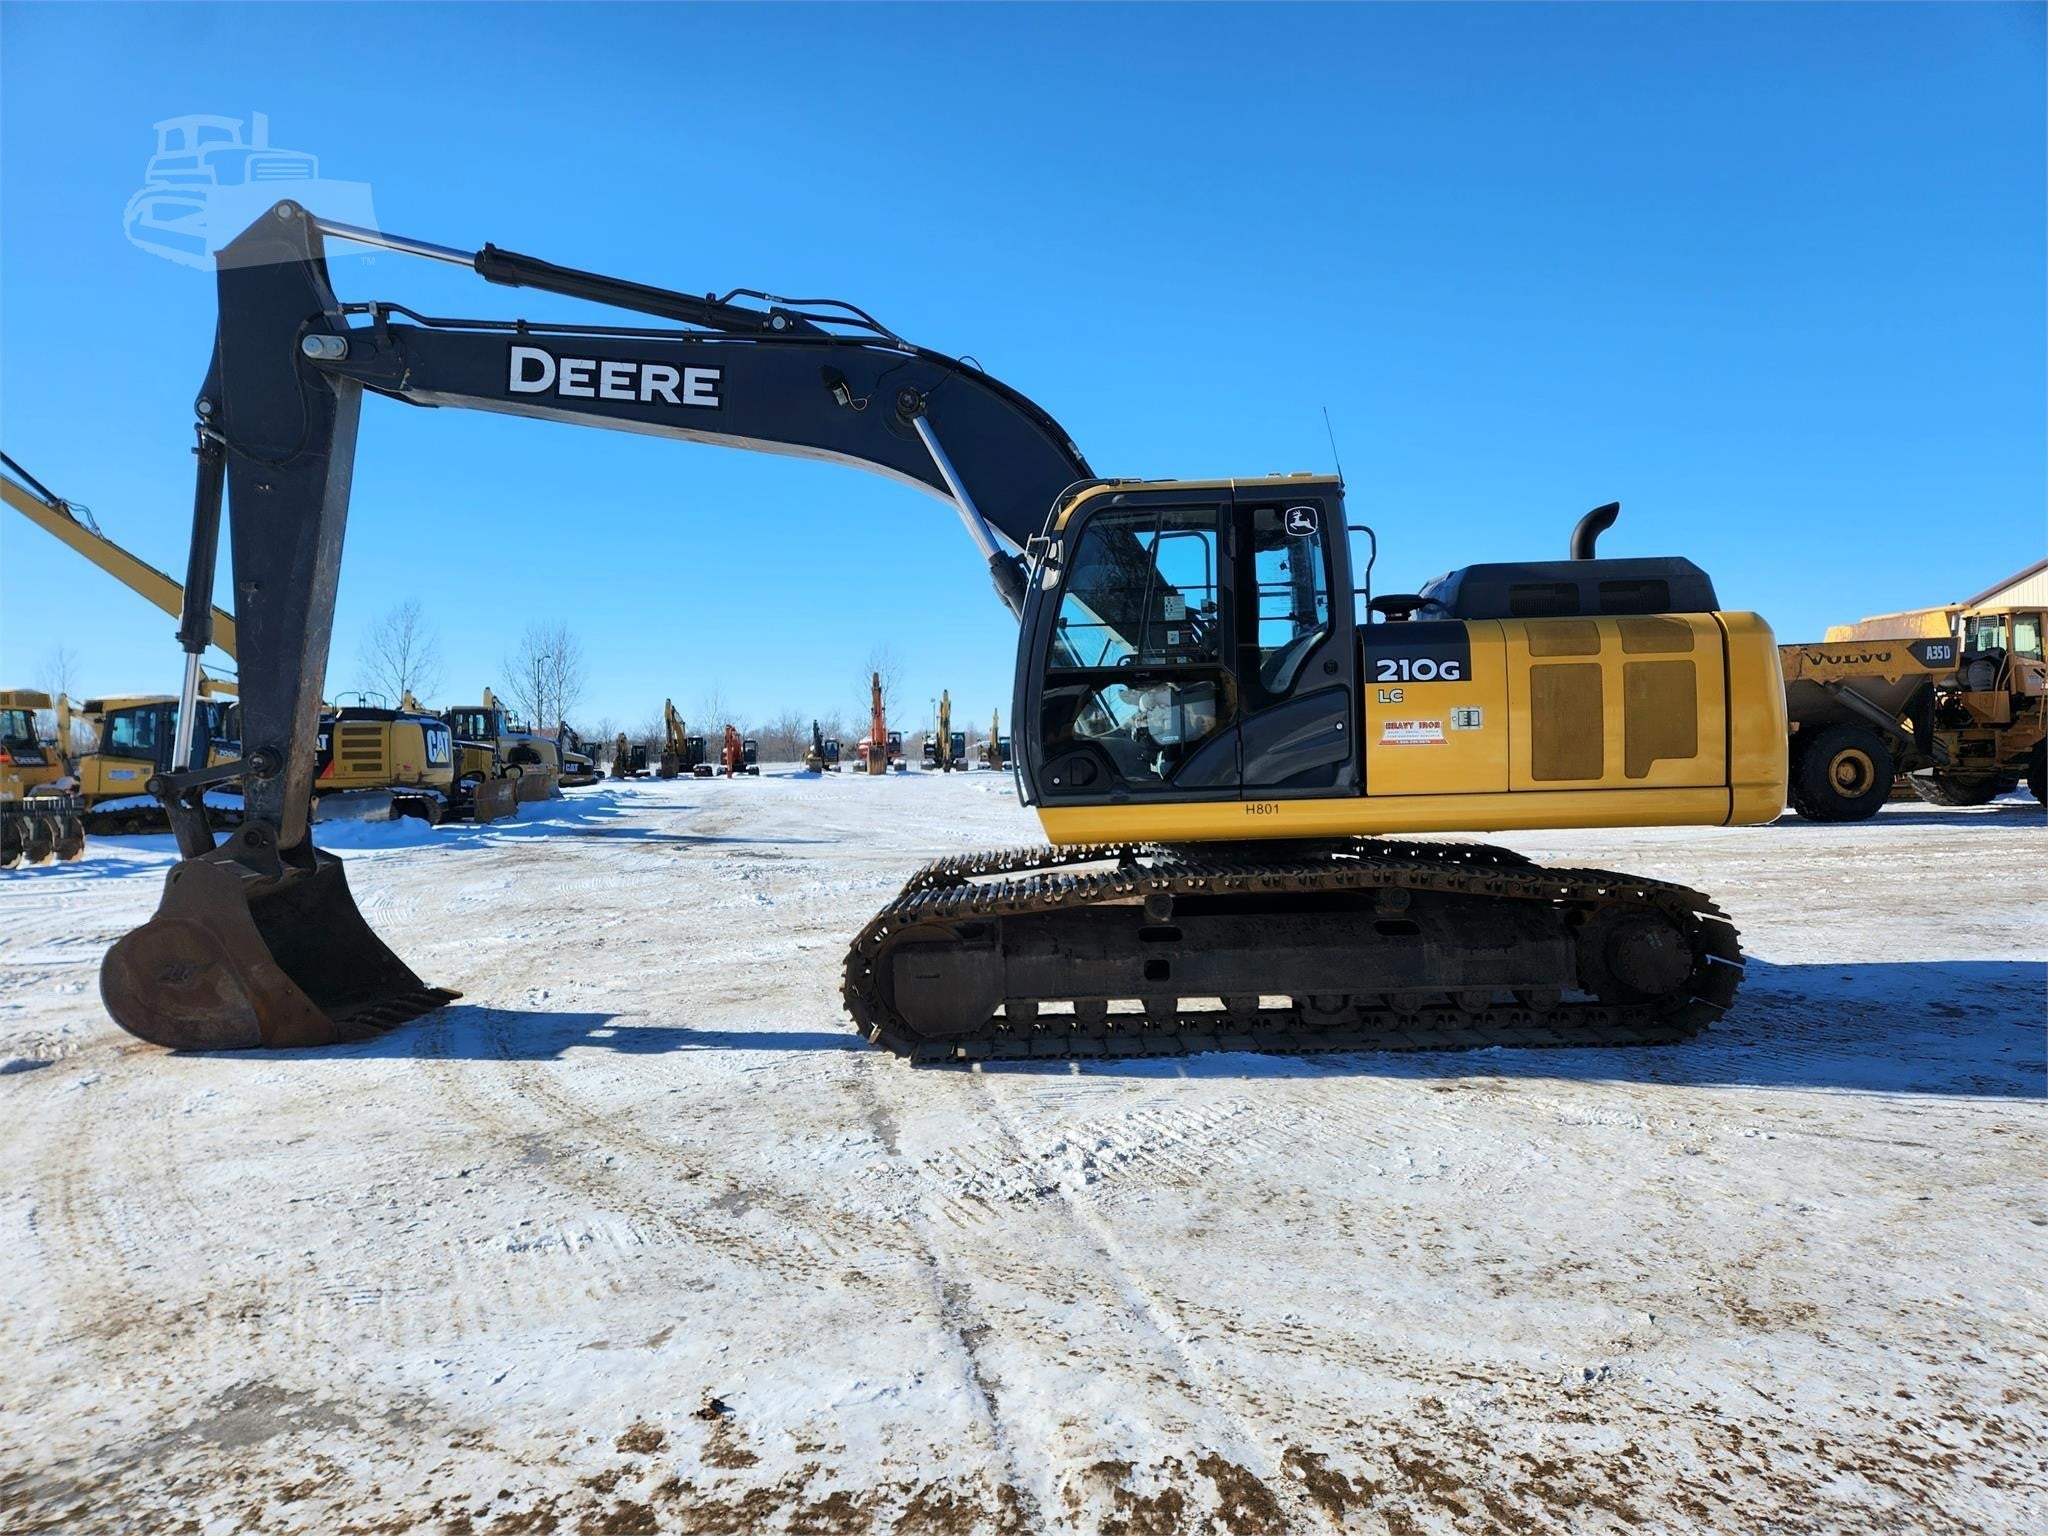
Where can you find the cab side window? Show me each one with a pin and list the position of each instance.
(133, 731)
(1291, 571)
(2026, 636)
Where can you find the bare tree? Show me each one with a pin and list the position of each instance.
(545, 678)
(785, 738)
(401, 654)
(881, 663)
(714, 714)
(60, 677)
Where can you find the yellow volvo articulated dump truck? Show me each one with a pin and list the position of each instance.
(1222, 745)
(1952, 702)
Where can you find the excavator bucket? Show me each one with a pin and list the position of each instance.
(495, 799)
(236, 959)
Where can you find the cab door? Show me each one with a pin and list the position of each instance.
(1295, 664)
(1126, 682)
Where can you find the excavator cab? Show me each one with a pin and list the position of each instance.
(1186, 644)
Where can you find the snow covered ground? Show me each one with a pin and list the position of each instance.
(636, 1238)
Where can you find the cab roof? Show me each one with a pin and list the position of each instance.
(1305, 481)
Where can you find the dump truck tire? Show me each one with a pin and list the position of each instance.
(1844, 774)
(1947, 789)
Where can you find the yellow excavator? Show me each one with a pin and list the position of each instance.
(1223, 731)
(945, 749)
(681, 753)
(133, 742)
(995, 752)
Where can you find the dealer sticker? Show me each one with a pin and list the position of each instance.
(1412, 733)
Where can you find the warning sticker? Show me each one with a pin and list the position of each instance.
(1412, 733)
(1468, 719)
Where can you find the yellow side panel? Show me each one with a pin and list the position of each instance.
(104, 778)
(1757, 760)
(1441, 738)
(1616, 703)
(1359, 816)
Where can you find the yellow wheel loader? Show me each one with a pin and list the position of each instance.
(41, 818)
(1227, 739)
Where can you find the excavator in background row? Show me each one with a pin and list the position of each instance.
(629, 759)
(1218, 722)
(493, 746)
(822, 755)
(40, 817)
(579, 761)
(370, 753)
(681, 753)
(995, 751)
(938, 747)
(881, 750)
(133, 744)
(740, 755)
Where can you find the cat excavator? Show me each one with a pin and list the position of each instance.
(938, 747)
(995, 751)
(1227, 738)
(822, 755)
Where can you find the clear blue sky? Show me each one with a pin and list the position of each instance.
(1770, 275)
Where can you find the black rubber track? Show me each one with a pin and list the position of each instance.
(1018, 881)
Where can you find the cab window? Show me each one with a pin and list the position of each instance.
(1141, 591)
(17, 727)
(2026, 636)
(1290, 570)
(1985, 634)
(133, 732)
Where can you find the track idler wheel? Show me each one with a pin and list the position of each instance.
(1631, 955)
(249, 949)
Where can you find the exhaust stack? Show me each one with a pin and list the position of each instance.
(1590, 527)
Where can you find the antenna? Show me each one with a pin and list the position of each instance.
(1331, 431)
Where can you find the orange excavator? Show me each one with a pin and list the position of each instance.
(883, 749)
(740, 755)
